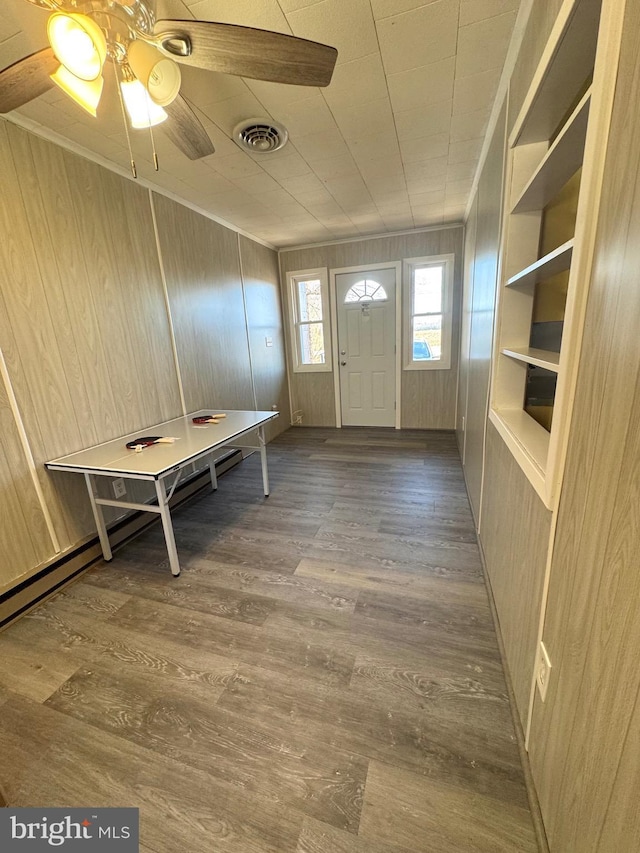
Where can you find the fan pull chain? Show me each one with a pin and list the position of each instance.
(134, 171)
(153, 149)
(153, 143)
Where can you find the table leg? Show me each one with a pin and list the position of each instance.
(212, 469)
(263, 458)
(90, 480)
(163, 503)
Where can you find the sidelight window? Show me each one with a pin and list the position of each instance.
(428, 285)
(309, 314)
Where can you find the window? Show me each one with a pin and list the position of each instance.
(309, 317)
(427, 285)
(366, 291)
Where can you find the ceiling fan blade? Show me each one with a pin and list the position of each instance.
(185, 130)
(247, 52)
(26, 79)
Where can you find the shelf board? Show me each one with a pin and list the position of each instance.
(560, 162)
(538, 357)
(551, 264)
(566, 63)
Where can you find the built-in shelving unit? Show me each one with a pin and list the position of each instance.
(546, 209)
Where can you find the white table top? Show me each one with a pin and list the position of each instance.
(192, 442)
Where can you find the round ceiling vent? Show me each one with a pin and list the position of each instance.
(260, 136)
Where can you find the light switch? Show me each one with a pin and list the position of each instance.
(268, 342)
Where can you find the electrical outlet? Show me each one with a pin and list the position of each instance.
(543, 671)
(119, 488)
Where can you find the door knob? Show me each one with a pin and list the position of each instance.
(343, 363)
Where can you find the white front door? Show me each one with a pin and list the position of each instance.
(366, 303)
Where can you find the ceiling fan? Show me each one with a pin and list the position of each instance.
(146, 54)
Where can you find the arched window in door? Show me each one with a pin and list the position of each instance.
(367, 290)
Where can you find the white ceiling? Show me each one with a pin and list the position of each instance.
(391, 144)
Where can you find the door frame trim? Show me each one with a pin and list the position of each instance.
(384, 265)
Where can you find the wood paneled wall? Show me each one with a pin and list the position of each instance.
(264, 321)
(207, 307)
(514, 524)
(514, 534)
(465, 322)
(483, 301)
(24, 537)
(428, 396)
(85, 332)
(82, 322)
(585, 739)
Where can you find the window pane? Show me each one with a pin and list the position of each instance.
(309, 301)
(366, 291)
(427, 338)
(311, 344)
(427, 290)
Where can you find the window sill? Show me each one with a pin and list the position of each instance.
(434, 365)
(312, 368)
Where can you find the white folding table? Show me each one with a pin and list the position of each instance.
(162, 464)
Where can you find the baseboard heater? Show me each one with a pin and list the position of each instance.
(52, 577)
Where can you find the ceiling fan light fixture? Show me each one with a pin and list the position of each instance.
(78, 43)
(160, 75)
(86, 93)
(142, 110)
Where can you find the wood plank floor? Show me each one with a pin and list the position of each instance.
(323, 677)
